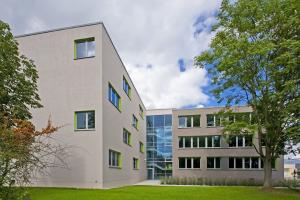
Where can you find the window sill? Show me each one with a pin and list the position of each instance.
(136, 169)
(214, 126)
(113, 167)
(84, 130)
(84, 58)
(237, 169)
(189, 127)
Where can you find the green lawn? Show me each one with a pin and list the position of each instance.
(164, 193)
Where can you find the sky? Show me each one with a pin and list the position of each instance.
(157, 40)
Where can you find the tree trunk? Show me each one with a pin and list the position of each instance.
(267, 171)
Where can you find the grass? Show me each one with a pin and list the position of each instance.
(164, 193)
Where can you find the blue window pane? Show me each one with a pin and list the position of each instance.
(80, 49)
(182, 122)
(150, 121)
(113, 97)
(91, 119)
(81, 120)
(158, 120)
(168, 120)
(90, 49)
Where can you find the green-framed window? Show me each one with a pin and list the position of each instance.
(127, 137)
(126, 87)
(115, 159)
(142, 148)
(135, 122)
(136, 163)
(84, 48)
(84, 120)
(114, 97)
(141, 111)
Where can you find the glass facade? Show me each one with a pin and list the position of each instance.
(159, 146)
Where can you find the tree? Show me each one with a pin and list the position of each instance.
(23, 149)
(254, 59)
(18, 79)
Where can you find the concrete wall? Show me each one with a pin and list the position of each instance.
(224, 151)
(65, 86)
(114, 121)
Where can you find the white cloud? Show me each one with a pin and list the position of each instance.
(156, 33)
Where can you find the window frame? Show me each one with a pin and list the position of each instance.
(142, 147)
(186, 118)
(125, 83)
(128, 137)
(86, 120)
(119, 159)
(191, 159)
(136, 163)
(135, 122)
(141, 111)
(83, 40)
(112, 90)
(214, 162)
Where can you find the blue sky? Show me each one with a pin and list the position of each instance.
(157, 40)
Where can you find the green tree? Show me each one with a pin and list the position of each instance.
(23, 149)
(254, 59)
(18, 79)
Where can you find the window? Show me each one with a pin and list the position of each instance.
(84, 120)
(84, 48)
(141, 111)
(213, 120)
(189, 163)
(210, 120)
(142, 147)
(135, 122)
(199, 141)
(126, 87)
(213, 141)
(181, 142)
(114, 159)
(126, 137)
(114, 97)
(245, 163)
(213, 162)
(240, 141)
(196, 163)
(187, 142)
(135, 163)
(189, 121)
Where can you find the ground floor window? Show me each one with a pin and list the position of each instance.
(213, 162)
(114, 158)
(189, 162)
(247, 163)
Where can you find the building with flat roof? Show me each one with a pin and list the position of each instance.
(113, 139)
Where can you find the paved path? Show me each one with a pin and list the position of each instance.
(149, 182)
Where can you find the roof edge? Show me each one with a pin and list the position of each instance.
(58, 29)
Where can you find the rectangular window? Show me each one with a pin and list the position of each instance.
(126, 137)
(141, 111)
(187, 142)
(114, 97)
(84, 48)
(189, 163)
(195, 142)
(213, 141)
(135, 163)
(248, 140)
(245, 163)
(181, 142)
(189, 121)
(196, 163)
(84, 120)
(240, 141)
(232, 141)
(114, 159)
(201, 141)
(213, 162)
(135, 122)
(126, 87)
(210, 120)
(142, 147)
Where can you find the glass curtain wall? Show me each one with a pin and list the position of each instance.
(159, 146)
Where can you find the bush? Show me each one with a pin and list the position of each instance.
(209, 181)
(292, 184)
